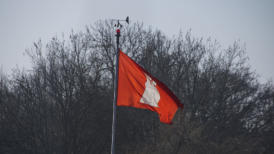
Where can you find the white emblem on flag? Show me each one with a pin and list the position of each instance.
(151, 95)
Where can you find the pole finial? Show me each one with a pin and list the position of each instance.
(118, 31)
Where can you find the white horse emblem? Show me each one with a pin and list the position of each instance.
(151, 95)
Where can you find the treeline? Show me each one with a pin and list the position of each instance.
(63, 105)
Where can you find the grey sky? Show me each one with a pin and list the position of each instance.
(24, 21)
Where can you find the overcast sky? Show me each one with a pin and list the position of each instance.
(252, 21)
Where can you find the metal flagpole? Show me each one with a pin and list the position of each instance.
(116, 84)
(115, 93)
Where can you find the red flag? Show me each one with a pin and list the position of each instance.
(137, 88)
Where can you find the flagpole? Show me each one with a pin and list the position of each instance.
(115, 93)
(116, 75)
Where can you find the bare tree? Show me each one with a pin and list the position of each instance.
(63, 105)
